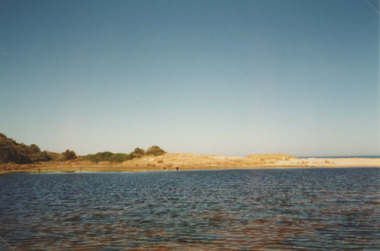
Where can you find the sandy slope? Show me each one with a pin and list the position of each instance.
(331, 162)
(171, 161)
(191, 161)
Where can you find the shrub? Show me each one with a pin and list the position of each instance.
(155, 150)
(118, 157)
(107, 156)
(44, 156)
(137, 153)
(69, 155)
(53, 156)
(100, 156)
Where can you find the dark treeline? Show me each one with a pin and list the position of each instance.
(13, 152)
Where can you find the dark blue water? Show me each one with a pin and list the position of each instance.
(313, 209)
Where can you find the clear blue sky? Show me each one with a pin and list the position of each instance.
(209, 77)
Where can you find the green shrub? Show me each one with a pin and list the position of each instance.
(91, 157)
(69, 155)
(53, 156)
(137, 153)
(118, 157)
(107, 156)
(155, 150)
(101, 156)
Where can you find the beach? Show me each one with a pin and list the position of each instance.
(187, 161)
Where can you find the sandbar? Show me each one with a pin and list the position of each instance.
(188, 161)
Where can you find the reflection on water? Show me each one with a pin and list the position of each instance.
(313, 209)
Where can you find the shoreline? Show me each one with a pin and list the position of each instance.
(172, 161)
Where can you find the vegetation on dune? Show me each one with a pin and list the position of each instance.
(155, 150)
(107, 156)
(13, 152)
(137, 153)
(120, 157)
(69, 155)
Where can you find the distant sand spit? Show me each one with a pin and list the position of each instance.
(186, 161)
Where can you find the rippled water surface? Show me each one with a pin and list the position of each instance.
(313, 209)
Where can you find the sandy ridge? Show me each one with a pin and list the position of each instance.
(187, 161)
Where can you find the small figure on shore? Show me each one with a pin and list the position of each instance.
(177, 168)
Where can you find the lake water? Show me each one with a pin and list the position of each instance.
(286, 209)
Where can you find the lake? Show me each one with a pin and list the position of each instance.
(262, 209)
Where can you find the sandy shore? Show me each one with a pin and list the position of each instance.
(171, 161)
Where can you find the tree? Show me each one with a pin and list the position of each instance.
(11, 151)
(44, 156)
(23, 155)
(69, 155)
(34, 148)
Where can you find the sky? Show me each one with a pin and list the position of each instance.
(223, 77)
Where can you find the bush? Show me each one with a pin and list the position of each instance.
(119, 157)
(101, 156)
(53, 156)
(44, 156)
(155, 150)
(137, 153)
(69, 155)
(107, 156)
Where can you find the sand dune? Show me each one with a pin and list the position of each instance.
(182, 161)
